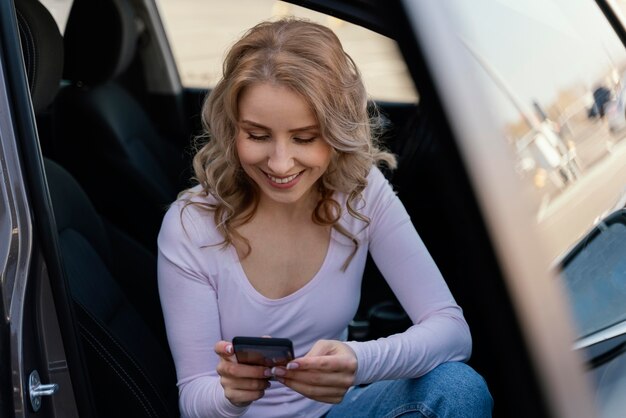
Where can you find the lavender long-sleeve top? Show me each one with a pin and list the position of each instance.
(206, 297)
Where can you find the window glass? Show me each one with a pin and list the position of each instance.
(60, 10)
(621, 6)
(596, 278)
(201, 31)
(556, 71)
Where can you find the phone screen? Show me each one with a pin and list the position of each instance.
(268, 352)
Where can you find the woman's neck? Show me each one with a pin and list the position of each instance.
(286, 212)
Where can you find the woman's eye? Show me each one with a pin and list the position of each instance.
(307, 140)
(257, 137)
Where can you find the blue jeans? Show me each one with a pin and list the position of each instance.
(449, 390)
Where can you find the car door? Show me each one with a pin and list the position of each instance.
(515, 82)
(478, 153)
(41, 365)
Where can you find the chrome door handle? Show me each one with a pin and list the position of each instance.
(36, 390)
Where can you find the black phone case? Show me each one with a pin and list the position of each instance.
(268, 352)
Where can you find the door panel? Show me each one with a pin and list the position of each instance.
(26, 279)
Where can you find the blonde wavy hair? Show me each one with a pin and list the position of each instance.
(308, 59)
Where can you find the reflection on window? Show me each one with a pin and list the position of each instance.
(595, 277)
(556, 74)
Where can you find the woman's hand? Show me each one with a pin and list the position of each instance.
(242, 383)
(324, 374)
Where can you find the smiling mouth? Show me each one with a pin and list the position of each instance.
(282, 180)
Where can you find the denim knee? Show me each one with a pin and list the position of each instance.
(455, 389)
(451, 390)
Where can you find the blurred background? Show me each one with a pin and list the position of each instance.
(201, 31)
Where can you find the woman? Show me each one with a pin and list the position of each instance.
(273, 241)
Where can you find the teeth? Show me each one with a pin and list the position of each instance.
(282, 180)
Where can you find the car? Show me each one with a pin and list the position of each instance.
(97, 125)
(544, 152)
(594, 274)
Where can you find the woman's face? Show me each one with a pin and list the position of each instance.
(279, 143)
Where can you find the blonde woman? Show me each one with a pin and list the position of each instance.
(273, 241)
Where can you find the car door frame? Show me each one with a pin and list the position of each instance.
(43, 333)
(539, 305)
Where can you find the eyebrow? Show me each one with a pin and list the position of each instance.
(258, 125)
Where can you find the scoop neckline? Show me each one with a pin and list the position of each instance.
(251, 290)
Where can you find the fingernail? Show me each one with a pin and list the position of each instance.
(291, 366)
(277, 371)
(229, 349)
(267, 373)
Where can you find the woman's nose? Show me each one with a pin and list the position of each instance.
(280, 159)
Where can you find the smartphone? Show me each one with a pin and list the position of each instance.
(267, 352)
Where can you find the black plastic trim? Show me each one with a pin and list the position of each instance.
(609, 13)
(365, 13)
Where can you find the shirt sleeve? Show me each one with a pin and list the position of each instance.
(189, 303)
(440, 332)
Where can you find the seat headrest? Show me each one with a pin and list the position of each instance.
(100, 40)
(42, 48)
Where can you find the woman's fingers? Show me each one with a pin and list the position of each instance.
(245, 384)
(328, 394)
(242, 383)
(244, 371)
(316, 383)
(224, 349)
(242, 391)
(324, 374)
(334, 363)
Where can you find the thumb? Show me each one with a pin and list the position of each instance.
(224, 349)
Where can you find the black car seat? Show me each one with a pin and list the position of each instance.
(132, 373)
(111, 278)
(109, 143)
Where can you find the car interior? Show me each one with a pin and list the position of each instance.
(113, 164)
(111, 277)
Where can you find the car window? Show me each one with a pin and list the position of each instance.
(596, 276)
(60, 10)
(555, 68)
(200, 31)
(556, 71)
